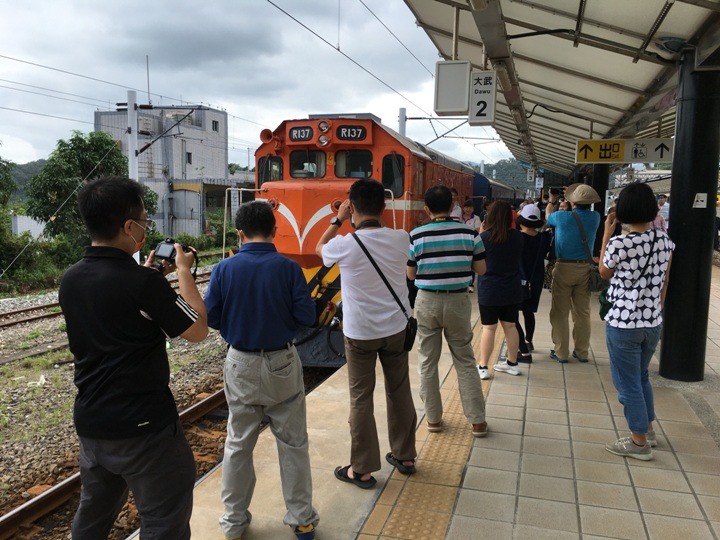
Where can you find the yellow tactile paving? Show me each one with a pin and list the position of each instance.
(417, 495)
(416, 524)
(420, 511)
(438, 450)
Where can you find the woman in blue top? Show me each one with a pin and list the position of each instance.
(637, 264)
(499, 289)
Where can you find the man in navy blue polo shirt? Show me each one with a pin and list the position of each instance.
(259, 300)
(118, 315)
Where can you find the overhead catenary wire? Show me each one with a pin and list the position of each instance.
(397, 38)
(366, 70)
(231, 115)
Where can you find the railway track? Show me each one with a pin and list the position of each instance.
(48, 505)
(47, 311)
(22, 517)
(36, 313)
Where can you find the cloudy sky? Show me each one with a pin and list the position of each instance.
(262, 61)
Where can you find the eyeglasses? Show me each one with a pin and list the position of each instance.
(150, 224)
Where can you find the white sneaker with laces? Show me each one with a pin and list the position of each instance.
(507, 368)
(484, 373)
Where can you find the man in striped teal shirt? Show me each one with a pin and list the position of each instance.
(443, 256)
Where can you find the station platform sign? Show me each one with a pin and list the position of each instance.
(624, 150)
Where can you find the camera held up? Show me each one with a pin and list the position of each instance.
(165, 250)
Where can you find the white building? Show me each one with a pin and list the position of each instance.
(183, 157)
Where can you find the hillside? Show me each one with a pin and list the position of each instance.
(22, 175)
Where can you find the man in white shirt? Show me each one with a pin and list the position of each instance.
(664, 208)
(456, 211)
(374, 326)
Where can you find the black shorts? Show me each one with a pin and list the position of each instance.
(490, 315)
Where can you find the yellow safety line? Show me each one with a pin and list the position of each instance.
(421, 505)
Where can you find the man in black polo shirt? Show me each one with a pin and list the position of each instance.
(118, 315)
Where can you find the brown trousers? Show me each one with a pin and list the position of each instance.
(401, 415)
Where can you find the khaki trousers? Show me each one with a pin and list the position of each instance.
(570, 294)
(258, 385)
(401, 416)
(439, 313)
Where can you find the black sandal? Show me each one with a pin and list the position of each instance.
(402, 469)
(341, 473)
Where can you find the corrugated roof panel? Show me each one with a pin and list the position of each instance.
(608, 79)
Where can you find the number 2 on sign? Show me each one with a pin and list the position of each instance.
(482, 105)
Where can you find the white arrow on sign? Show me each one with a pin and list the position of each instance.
(648, 150)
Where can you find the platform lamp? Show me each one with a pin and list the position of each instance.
(517, 115)
(503, 76)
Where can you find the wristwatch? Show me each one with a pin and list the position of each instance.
(336, 221)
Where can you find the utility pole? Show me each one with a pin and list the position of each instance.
(132, 135)
(402, 120)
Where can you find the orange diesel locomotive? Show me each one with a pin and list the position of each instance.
(304, 169)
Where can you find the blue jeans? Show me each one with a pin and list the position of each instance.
(631, 350)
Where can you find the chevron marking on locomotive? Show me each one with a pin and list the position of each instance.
(322, 213)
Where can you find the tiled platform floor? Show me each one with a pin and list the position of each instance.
(542, 472)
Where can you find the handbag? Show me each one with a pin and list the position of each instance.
(548, 278)
(411, 327)
(596, 282)
(605, 302)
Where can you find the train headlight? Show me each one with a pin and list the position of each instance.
(323, 126)
(323, 140)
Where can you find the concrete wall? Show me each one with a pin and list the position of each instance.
(21, 224)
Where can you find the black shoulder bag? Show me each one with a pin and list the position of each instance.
(411, 328)
(595, 282)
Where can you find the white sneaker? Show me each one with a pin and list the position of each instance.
(507, 368)
(484, 373)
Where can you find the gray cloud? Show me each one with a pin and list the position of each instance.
(245, 56)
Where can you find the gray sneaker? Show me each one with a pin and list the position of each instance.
(651, 439)
(627, 448)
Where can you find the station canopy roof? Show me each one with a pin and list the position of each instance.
(574, 69)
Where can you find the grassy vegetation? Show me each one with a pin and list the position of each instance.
(21, 386)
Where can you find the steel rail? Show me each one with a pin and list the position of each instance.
(49, 500)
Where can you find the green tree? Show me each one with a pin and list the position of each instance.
(234, 167)
(7, 184)
(52, 194)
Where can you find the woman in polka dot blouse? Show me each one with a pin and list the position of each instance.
(637, 263)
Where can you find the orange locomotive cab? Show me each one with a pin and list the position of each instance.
(304, 169)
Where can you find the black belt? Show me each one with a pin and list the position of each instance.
(573, 260)
(285, 346)
(451, 291)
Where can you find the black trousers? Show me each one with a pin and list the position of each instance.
(159, 468)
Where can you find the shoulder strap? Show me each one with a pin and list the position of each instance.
(588, 254)
(647, 262)
(387, 283)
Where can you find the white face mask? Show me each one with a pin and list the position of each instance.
(139, 245)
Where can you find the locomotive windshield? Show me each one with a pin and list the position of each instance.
(353, 164)
(269, 169)
(307, 164)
